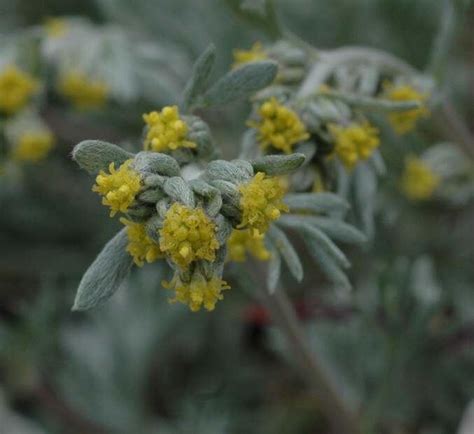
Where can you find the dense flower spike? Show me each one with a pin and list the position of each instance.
(405, 121)
(261, 203)
(16, 89)
(198, 292)
(242, 242)
(188, 235)
(82, 91)
(118, 188)
(418, 180)
(33, 146)
(140, 246)
(255, 54)
(354, 142)
(166, 131)
(278, 127)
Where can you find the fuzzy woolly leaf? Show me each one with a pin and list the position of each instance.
(316, 202)
(278, 164)
(96, 155)
(198, 82)
(365, 192)
(328, 266)
(224, 170)
(334, 228)
(105, 274)
(240, 83)
(281, 243)
(178, 189)
(274, 270)
(155, 162)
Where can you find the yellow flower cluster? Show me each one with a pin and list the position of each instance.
(255, 54)
(166, 131)
(140, 246)
(33, 146)
(405, 121)
(188, 235)
(278, 127)
(16, 88)
(197, 293)
(82, 91)
(242, 241)
(354, 142)
(418, 180)
(261, 203)
(55, 27)
(118, 188)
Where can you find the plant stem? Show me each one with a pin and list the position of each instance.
(340, 417)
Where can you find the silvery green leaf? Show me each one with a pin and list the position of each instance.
(155, 162)
(224, 229)
(240, 83)
(226, 171)
(278, 164)
(274, 269)
(154, 180)
(228, 190)
(198, 82)
(248, 146)
(378, 163)
(178, 189)
(423, 281)
(244, 165)
(105, 274)
(96, 155)
(316, 202)
(308, 149)
(214, 202)
(328, 266)
(151, 195)
(334, 228)
(283, 245)
(318, 237)
(152, 226)
(365, 191)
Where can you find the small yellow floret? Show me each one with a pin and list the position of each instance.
(140, 246)
(405, 121)
(33, 146)
(197, 293)
(83, 92)
(55, 27)
(255, 54)
(354, 142)
(278, 127)
(16, 89)
(244, 241)
(261, 202)
(188, 235)
(166, 131)
(118, 188)
(418, 180)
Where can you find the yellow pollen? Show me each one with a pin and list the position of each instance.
(33, 146)
(418, 182)
(278, 127)
(255, 54)
(244, 241)
(166, 131)
(118, 188)
(82, 91)
(16, 89)
(140, 246)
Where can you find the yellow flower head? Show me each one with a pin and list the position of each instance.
(166, 131)
(261, 202)
(118, 188)
(16, 89)
(140, 246)
(55, 27)
(82, 91)
(188, 235)
(405, 121)
(197, 293)
(278, 127)
(242, 242)
(354, 142)
(255, 54)
(418, 180)
(33, 146)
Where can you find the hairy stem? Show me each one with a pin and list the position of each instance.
(337, 411)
